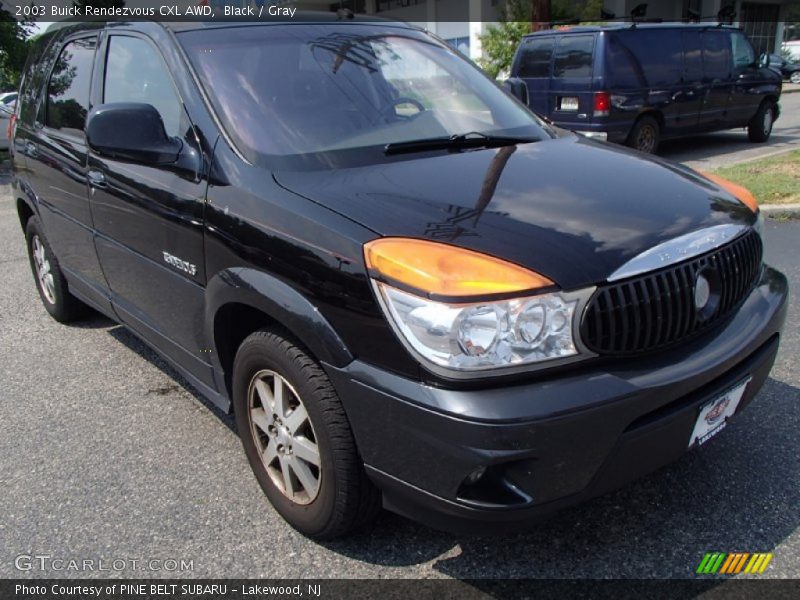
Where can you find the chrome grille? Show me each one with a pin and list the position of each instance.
(657, 309)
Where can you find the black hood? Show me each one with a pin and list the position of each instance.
(571, 209)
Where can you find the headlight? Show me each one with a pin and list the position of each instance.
(461, 310)
(483, 335)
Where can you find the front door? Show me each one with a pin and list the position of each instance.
(149, 220)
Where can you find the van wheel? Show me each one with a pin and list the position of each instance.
(297, 438)
(50, 281)
(645, 135)
(795, 77)
(760, 126)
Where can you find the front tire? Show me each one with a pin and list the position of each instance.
(795, 77)
(298, 440)
(760, 126)
(645, 135)
(50, 281)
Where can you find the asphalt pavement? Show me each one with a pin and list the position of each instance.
(106, 454)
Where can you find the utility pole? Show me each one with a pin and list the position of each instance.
(540, 14)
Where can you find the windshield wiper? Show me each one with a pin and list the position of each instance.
(473, 139)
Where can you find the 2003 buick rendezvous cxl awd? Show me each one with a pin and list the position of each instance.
(410, 290)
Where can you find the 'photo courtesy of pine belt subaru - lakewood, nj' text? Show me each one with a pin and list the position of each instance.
(412, 292)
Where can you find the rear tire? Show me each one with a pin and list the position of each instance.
(284, 433)
(645, 135)
(795, 77)
(50, 281)
(760, 126)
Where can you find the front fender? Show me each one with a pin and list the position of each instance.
(283, 304)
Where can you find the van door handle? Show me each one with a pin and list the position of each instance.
(96, 179)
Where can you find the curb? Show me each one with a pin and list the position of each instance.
(780, 210)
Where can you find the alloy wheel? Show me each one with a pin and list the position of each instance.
(44, 273)
(284, 437)
(646, 140)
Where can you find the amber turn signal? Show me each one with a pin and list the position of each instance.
(741, 193)
(435, 268)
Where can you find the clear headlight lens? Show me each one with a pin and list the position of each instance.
(483, 335)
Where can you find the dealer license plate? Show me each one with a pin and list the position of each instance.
(714, 415)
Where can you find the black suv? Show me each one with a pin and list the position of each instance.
(640, 83)
(408, 288)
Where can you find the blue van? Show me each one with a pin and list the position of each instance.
(638, 84)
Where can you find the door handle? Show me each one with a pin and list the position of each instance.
(96, 179)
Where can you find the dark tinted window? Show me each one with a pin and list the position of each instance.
(535, 57)
(68, 88)
(639, 58)
(38, 64)
(574, 56)
(135, 72)
(743, 53)
(692, 55)
(716, 55)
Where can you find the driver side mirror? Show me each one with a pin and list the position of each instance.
(517, 88)
(131, 131)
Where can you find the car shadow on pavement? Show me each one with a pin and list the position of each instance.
(126, 337)
(739, 493)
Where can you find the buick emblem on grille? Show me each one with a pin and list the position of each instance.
(702, 292)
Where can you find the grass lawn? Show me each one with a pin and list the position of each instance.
(772, 180)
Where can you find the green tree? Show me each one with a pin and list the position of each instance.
(518, 17)
(14, 43)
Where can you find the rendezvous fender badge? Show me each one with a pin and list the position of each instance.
(181, 265)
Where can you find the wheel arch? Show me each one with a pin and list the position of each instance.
(241, 301)
(24, 212)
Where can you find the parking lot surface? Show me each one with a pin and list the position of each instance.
(104, 454)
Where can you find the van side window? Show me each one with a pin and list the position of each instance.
(135, 72)
(535, 58)
(69, 85)
(651, 57)
(743, 53)
(574, 56)
(716, 55)
(692, 56)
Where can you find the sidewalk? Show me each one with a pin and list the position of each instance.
(791, 88)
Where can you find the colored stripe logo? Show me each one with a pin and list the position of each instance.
(731, 563)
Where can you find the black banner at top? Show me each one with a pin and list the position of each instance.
(539, 14)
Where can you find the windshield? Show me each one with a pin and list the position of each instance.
(291, 90)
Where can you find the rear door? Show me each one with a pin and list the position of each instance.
(571, 88)
(717, 79)
(56, 156)
(534, 65)
(149, 220)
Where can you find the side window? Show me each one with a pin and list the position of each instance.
(574, 56)
(135, 72)
(535, 57)
(743, 53)
(68, 87)
(716, 55)
(692, 56)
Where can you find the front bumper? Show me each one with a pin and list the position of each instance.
(552, 442)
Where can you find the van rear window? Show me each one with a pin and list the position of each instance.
(574, 56)
(535, 57)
